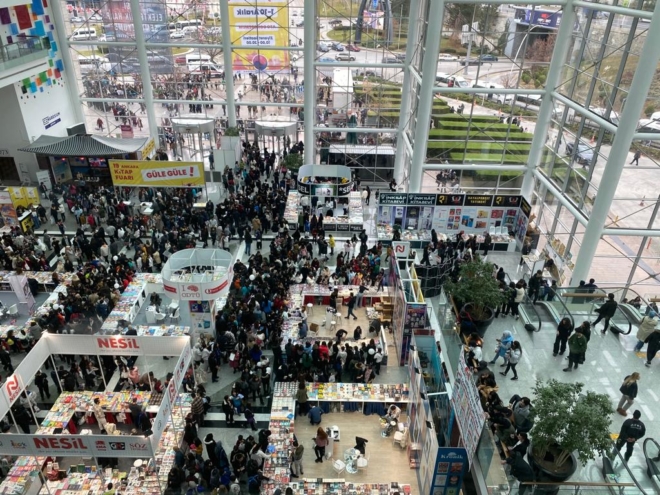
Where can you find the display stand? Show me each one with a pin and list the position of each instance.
(167, 423)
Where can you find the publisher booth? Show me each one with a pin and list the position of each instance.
(70, 428)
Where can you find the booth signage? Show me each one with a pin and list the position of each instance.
(450, 199)
(325, 189)
(304, 188)
(148, 148)
(478, 200)
(422, 199)
(451, 465)
(393, 199)
(12, 388)
(343, 227)
(44, 445)
(401, 249)
(201, 291)
(344, 189)
(507, 201)
(525, 207)
(140, 173)
(75, 445)
(354, 227)
(109, 345)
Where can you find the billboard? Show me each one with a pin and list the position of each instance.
(140, 173)
(257, 25)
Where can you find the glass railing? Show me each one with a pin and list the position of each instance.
(22, 51)
(548, 311)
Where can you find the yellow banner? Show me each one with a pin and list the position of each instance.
(257, 25)
(148, 148)
(17, 196)
(149, 173)
(31, 195)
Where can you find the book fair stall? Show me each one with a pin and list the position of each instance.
(505, 218)
(343, 480)
(65, 436)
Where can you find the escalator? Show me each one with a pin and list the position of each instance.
(634, 315)
(583, 304)
(542, 316)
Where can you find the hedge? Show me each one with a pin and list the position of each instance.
(483, 147)
(488, 158)
(476, 134)
(483, 126)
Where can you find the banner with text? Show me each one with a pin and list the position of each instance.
(258, 25)
(75, 446)
(149, 173)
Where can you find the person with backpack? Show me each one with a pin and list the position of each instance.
(577, 347)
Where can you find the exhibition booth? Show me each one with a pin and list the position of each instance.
(505, 218)
(346, 219)
(68, 429)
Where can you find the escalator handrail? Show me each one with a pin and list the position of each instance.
(596, 290)
(538, 316)
(625, 465)
(605, 291)
(630, 327)
(561, 300)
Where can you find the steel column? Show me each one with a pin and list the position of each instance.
(227, 57)
(405, 109)
(620, 146)
(425, 93)
(309, 56)
(562, 45)
(145, 74)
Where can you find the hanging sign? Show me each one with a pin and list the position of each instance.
(151, 173)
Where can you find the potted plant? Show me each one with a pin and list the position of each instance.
(569, 425)
(477, 293)
(232, 132)
(293, 162)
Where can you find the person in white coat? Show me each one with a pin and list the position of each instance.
(512, 358)
(646, 328)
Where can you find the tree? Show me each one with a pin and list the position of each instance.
(477, 286)
(458, 14)
(542, 48)
(213, 38)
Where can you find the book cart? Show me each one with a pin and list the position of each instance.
(37, 468)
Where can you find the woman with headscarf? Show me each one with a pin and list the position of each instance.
(646, 327)
(503, 345)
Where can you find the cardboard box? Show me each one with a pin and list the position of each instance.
(314, 327)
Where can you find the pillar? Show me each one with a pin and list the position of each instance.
(562, 45)
(309, 51)
(425, 94)
(619, 152)
(147, 89)
(405, 111)
(227, 57)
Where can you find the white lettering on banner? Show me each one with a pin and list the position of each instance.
(185, 171)
(13, 388)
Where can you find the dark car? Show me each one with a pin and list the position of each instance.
(401, 57)
(584, 154)
(335, 22)
(390, 60)
(488, 57)
(471, 61)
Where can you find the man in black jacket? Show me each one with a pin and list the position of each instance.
(631, 431)
(535, 286)
(606, 311)
(521, 471)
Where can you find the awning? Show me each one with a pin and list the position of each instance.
(83, 145)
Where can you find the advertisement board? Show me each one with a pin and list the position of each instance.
(140, 173)
(75, 445)
(17, 196)
(257, 25)
(195, 291)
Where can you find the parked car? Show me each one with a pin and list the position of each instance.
(301, 23)
(337, 46)
(390, 60)
(583, 155)
(488, 57)
(177, 35)
(345, 56)
(326, 59)
(214, 30)
(364, 72)
(77, 19)
(323, 47)
(336, 22)
(352, 48)
(472, 61)
(401, 57)
(447, 57)
(96, 18)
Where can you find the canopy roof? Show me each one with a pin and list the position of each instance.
(84, 145)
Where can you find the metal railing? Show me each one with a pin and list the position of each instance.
(584, 301)
(21, 48)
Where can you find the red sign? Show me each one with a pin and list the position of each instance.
(13, 388)
(117, 343)
(64, 443)
(169, 288)
(217, 289)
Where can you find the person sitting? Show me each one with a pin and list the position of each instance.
(393, 413)
(315, 414)
(361, 445)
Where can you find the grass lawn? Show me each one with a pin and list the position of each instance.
(338, 8)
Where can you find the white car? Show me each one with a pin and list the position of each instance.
(177, 35)
(77, 19)
(96, 17)
(446, 57)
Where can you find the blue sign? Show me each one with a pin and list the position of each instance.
(450, 467)
(543, 18)
(374, 4)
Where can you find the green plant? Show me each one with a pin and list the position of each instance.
(476, 286)
(526, 77)
(293, 161)
(232, 132)
(648, 111)
(566, 420)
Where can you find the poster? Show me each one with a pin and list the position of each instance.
(412, 218)
(157, 174)
(7, 210)
(258, 25)
(31, 195)
(450, 468)
(440, 219)
(426, 218)
(467, 409)
(43, 177)
(17, 196)
(20, 286)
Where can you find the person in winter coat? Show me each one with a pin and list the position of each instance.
(519, 297)
(512, 358)
(653, 347)
(606, 311)
(210, 444)
(628, 393)
(535, 286)
(503, 346)
(577, 346)
(564, 330)
(521, 471)
(631, 431)
(646, 328)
